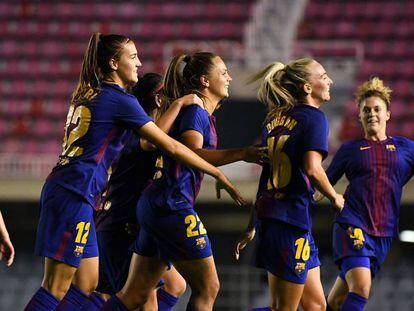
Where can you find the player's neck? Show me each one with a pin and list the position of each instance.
(376, 136)
(210, 105)
(312, 102)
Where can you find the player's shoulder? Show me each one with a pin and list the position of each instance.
(194, 109)
(194, 113)
(403, 141)
(309, 115)
(117, 94)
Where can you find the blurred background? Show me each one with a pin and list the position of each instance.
(41, 49)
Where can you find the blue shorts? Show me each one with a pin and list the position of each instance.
(350, 241)
(285, 250)
(66, 231)
(114, 259)
(170, 235)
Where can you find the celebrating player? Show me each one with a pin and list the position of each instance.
(100, 115)
(377, 167)
(116, 222)
(296, 133)
(171, 231)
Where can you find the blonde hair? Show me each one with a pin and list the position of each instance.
(373, 87)
(281, 87)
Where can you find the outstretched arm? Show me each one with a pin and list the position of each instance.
(184, 155)
(194, 140)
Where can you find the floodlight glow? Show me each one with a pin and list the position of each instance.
(407, 236)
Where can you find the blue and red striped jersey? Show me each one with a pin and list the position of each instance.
(177, 185)
(285, 192)
(377, 172)
(93, 139)
(130, 175)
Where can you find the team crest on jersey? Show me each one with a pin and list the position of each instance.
(201, 243)
(78, 250)
(357, 236)
(300, 267)
(107, 205)
(390, 147)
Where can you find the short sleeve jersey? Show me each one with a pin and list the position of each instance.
(376, 171)
(94, 137)
(177, 185)
(129, 175)
(285, 192)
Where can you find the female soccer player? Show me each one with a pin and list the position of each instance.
(171, 231)
(377, 167)
(296, 133)
(116, 222)
(100, 114)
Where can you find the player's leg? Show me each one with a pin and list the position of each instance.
(202, 277)
(337, 295)
(85, 279)
(359, 283)
(313, 298)
(174, 286)
(285, 295)
(144, 275)
(61, 238)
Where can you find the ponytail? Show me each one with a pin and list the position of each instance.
(281, 87)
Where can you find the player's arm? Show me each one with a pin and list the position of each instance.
(335, 171)
(312, 164)
(248, 234)
(184, 155)
(6, 247)
(194, 140)
(167, 119)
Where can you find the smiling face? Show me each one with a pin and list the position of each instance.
(126, 66)
(374, 115)
(218, 80)
(319, 83)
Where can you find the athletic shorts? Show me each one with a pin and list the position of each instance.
(286, 251)
(170, 235)
(114, 259)
(351, 241)
(66, 231)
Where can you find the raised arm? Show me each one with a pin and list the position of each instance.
(167, 119)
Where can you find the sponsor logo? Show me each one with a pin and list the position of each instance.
(364, 147)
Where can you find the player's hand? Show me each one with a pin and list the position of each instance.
(338, 202)
(256, 154)
(318, 196)
(222, 182)
(191, 99)
(6, 251)
(245, 239)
